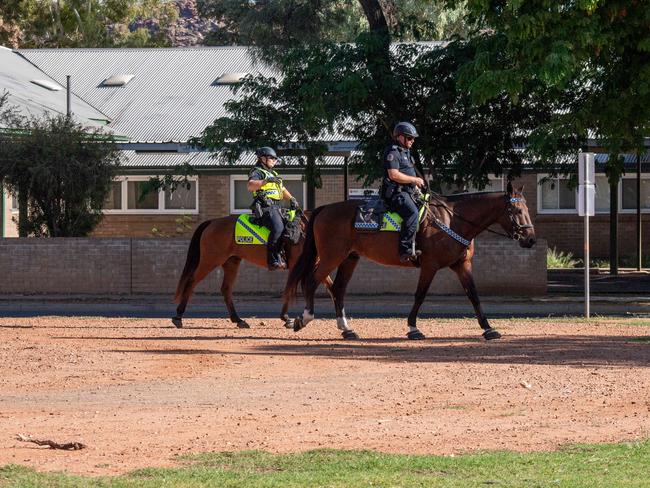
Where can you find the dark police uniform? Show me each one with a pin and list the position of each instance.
(269, 196)
(398, 196)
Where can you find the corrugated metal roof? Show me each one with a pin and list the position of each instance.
(628, 159)
(198, 160)
(172, 96)
(16, 78)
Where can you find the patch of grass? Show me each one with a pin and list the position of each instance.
(620, 465)
(558, 259)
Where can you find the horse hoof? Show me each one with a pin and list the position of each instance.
(289, 323)
(298, 324)
(415, 335)
(178, 322)
(491, 333)
(242, 324)
(349, 334)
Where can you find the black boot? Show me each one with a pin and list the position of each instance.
(275, 261)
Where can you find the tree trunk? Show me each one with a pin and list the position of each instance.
(381, 17)
(23, 214)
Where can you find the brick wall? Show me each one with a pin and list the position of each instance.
(133, 266)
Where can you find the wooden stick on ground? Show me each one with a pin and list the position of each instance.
(68, 446)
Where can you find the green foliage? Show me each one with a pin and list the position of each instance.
(60, 171)
(592, 56)
(331, 88)
(558, 259)
(284, 23)
(82, 23)
(620, 465)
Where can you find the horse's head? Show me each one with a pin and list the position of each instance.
(516, 220)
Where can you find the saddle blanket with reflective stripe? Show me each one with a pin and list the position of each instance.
(368, 220)
(249, 233)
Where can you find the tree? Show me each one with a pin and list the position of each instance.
(60, 171)
(329, 89)
(82, 23)
(599, 51)
(282, 23)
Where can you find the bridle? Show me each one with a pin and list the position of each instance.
(518, 229)
(517, 232)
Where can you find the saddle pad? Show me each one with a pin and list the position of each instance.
(391, 221)
(248, 233)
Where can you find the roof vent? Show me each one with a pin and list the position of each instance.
(50, 85)
(117, 80)
(230, 78)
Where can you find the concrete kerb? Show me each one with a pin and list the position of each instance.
(211, 306)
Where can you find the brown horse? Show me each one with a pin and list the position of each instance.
(212, 245)
(332, 238)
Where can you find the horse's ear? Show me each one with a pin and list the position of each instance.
(509, 188)
(521, 190)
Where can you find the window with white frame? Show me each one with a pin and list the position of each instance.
(628, 193)
(602, 199)
(555, 196)
(241, 198)
(126, 196)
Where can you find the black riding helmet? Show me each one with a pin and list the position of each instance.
(405, 128)
(266, 151)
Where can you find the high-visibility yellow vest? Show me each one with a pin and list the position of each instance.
(274, 191)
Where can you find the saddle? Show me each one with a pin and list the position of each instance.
(249, 230)
(372, 215)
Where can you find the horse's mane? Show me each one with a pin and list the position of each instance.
(469, 195)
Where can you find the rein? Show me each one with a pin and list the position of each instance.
(517, 228)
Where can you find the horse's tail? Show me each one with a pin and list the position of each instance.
(191, 263)
(304, 267)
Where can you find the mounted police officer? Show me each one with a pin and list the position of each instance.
(268, 192)
(398, 186)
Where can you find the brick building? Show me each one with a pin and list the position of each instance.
(160, 98)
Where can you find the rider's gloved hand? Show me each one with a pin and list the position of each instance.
(293, 203)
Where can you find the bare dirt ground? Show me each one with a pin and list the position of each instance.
(139, 392)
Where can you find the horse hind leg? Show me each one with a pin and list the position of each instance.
(343, 276)
(230, 269)
(203, 269)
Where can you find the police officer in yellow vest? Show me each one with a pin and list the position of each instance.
(268, 191)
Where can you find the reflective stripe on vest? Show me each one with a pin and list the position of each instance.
(274, 191)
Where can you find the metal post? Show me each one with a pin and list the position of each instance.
(613, 230)
(2, 210)
(345, 178)
(586, 253)
(639, 264)
(68, 101)
(311, 188)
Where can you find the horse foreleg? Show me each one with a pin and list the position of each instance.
(424, 282)
(230, 269)
(343, 276)
(463, 270)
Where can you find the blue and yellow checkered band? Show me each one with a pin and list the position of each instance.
(516, 199)
(454, 235)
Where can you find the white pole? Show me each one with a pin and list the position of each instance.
(586, 253)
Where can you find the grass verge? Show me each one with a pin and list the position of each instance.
(593, 466)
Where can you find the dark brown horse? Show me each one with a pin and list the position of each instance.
(212, 245)
(332, 238)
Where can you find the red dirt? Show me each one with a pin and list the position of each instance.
(139, 392)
